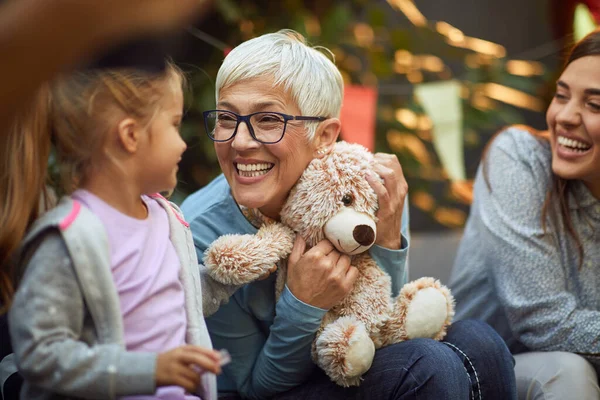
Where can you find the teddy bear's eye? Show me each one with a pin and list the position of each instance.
(347, 199)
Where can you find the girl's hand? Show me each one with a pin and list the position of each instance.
(184, 366)
(391, 194)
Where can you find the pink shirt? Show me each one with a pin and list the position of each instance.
(145, 270)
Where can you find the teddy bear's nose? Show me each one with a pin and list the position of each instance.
(364, 235)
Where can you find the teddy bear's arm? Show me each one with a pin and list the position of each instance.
(214, 293)
(241, 259)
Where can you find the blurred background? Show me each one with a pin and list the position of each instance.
(428, 80)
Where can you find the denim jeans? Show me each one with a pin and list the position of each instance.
(472, 362)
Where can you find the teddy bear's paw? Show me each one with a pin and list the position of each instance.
(345, 351)
(279, 238)
(429, 308)
(239, 259)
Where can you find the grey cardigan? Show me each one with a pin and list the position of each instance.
(525, 282)
(66, 324)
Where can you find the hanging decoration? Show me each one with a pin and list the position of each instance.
(584, 21)
(358, 115)
(442, 103)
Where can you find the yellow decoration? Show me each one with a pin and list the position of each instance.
(583, 22)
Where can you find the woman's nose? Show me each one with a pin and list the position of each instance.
(569, 114)
(243, 140)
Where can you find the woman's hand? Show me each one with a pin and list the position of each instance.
(391, 194)
(183, 366)
(322, 276)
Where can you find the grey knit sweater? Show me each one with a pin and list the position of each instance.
(527, 284)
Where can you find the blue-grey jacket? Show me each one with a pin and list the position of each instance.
(66, 324)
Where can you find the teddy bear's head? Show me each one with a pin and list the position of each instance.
(333, 200)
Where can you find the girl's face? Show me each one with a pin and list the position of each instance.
(165, 145)
(574, 123)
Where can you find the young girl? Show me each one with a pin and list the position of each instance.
(109, 304)
(529, 261)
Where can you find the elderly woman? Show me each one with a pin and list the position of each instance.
(277, 78)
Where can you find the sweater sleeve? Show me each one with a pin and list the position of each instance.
(395, 262)
(10, 379)
(529, 276)
(46, 321)
(266, 359)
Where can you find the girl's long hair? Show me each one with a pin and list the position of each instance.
(72, 116)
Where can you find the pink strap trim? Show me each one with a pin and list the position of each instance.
(65, 223)
(183, 221)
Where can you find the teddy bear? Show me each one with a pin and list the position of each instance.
(333, 200)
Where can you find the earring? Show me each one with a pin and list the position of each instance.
(322, 151)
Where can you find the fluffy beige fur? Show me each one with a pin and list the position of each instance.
(368, 318)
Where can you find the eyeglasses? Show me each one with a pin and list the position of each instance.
(264, 127)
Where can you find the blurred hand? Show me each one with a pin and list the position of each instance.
(134, 17)
(391, 194)
(322, 276)
(185, 365)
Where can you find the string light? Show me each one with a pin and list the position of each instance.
(364, 35)
(403, 58)
(524, 68)
(451, 217)
(411, 11)
(403, 141)
(422, 200)
(512, 96)
(312, 26)
(407, 118)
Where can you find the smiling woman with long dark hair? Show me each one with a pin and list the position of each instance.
(529, 262)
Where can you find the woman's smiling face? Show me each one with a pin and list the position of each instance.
(262, 175)
(574, 123)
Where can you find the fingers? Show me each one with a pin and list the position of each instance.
(187, 378)
(322, 251)
(213, 354)
(378, 187)
(324, 247)
(297, 250)
(351, 276)
(394, 186)
(389, 168)
(206, 359)
(340, 268)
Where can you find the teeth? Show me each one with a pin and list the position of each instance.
(573, 144)
(252, 174)
(254, 167)
(252, 170)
